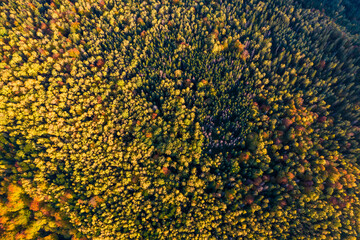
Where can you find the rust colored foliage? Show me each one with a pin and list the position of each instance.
(249, 199)
(100, 63)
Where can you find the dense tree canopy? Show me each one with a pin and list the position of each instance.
(343, 12)
(199, 119)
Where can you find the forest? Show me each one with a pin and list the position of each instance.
(179, 119)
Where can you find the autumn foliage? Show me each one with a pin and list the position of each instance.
(176, 119)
